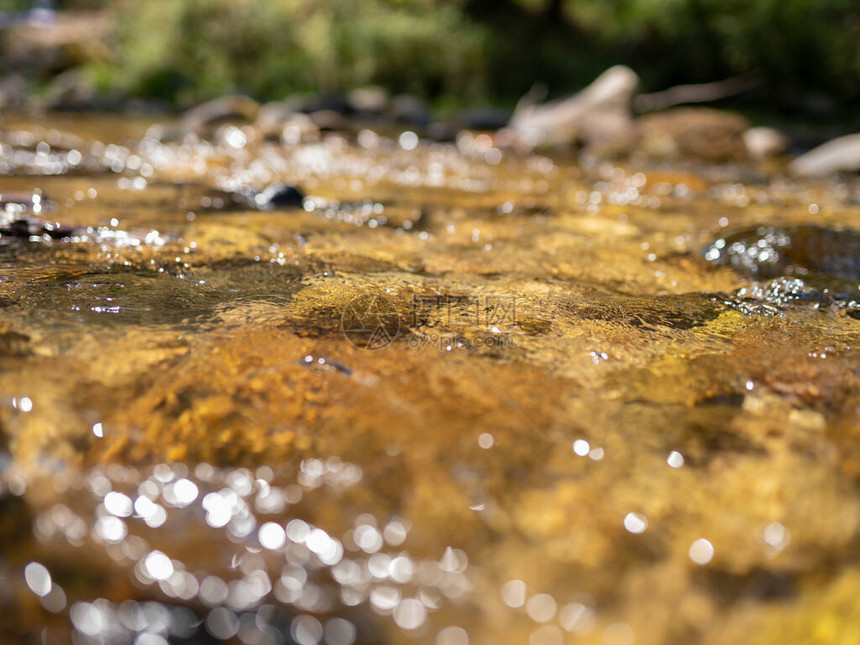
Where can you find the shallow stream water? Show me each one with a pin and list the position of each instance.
(463, 396)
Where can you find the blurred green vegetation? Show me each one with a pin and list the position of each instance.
(192, 49)
(794, 45)
(460, 52)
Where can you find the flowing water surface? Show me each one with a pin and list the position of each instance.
(461, 396)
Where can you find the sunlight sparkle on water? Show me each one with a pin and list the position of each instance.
(514, 593)
(272, 536)
(701, 551)
(408, 140)
(541, 607)
(410, 614)
(581, 447)
(452, 636)
(158, 566)
(38, 578)
(235, 137)
(675, 459)
(636, 523)
(776, 536)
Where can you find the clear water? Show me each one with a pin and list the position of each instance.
(574, 428)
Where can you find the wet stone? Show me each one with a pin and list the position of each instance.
(29, 228)
(777, 296)
(271, 198)
(279, 196)
(19, 218)
(768, 252)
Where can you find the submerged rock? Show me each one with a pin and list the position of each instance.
(842, 154)
(769, 252)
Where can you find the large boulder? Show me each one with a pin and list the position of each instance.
(595, 115)
(842, 154)
(693, 134)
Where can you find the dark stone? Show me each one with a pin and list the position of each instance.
(441, 132)
(410, 110)
(311, 102)
(484, 119)
(20, 217)
(25, 227)
(279, 196)
(769, 252)
(274, 197)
